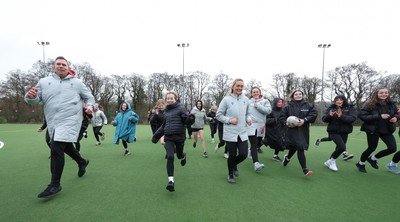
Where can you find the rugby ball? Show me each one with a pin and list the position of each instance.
(292, 121)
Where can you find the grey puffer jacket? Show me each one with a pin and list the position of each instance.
(201, 117)
(234, 106)
(258, 116)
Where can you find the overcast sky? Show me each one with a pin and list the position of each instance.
(242, 38)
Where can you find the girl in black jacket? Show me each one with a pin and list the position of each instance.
(340, 117)
(379, 115)
(298, 137)
(174, 131)
(274, 130)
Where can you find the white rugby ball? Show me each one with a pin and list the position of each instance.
(292, 121)
(1, 145)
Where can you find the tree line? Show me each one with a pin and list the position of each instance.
(355, 81)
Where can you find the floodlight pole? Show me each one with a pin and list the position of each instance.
(43, 44)
(183, 45)
(323, 46)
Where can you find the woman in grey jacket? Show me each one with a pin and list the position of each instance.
(234, 113)
(98, 120)
(259, 108)
(198, 125)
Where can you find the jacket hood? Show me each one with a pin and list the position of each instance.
(128, 108)
(275, 102)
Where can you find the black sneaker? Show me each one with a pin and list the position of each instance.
(276, 158)
(50, 191)
(285, 160)
(230, 179)
(259, 150)
(205, 155)
(194, 144)
(317, 142)
(82, 168)
(307, 172)
(361, 168)
(348, 156)
(127, 153)
(236, 171)
(170, 186)
(183, 160)
(373, 163)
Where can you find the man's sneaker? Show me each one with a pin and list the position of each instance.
(285, 160)
(226, 155)
(231, 179)
(307, 172)
(347, 156)
(317, 142)
(249, 155)
(82, 168)
(127, 153)
(205, 155)
(361, 168)
(103, 136)
(258, 166)
(212, 140)
(373, 163)
(98, 143)
(235, 171)
(392, 168)
(216, 148)
(259, 150)
(276, 158)
(50, 191)
(331, 164)
(183, 160)
(170, 186)
(194, 144)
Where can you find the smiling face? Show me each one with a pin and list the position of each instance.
(339, 102)
(255, 93)
(199, 105)
(61, 68)
(298, 95)
(280, 103)
(124, 106)
(237, 88)
(383, 94)
(170, 98)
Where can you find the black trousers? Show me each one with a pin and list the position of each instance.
(234, 157)
(396, 157)
(57, 159)
(373, 140)
(300, 155)
(170, 146)
(97, 133)
(340, 140)
(213, 128)
(254, 141)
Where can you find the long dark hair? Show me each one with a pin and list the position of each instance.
(373, 100)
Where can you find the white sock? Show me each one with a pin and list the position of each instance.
(171, 179)
(374, 158)
(361, 163)
(344, 153)
(393, 163)
(275, 155)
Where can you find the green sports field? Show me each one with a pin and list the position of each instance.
(118, 188)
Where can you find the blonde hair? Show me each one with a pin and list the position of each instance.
(234, 83)
(173, 93)
(160, 101)
(214, 108)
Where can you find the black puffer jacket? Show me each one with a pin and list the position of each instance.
(299, 137)
(175, 120)
(157, 119)
(373, 122)
(343, 124)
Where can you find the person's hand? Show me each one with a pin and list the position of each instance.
(88, 110)
(385, 116)
(112, 122)
(301, 122)
(393, 120)
(249, 122)
(331, 113)
(32, 93)
(255, 105)
(234, 121)
(130, 118)
(39, 130)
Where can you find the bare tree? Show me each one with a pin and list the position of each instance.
(219, 87)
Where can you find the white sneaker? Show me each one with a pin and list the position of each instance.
(331, 164)
(249, 155)
(226, 155)
(212, 140)
(98, 143)
(258, 166)
(216, 148)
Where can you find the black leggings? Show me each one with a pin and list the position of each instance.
(235, 158)
(213, 128)
(373, 140)
(97, 133)
(340, 140)
(254, 141)
(300, 155)
(170, 146)
(396, 157)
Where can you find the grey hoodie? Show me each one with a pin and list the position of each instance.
(258, 116)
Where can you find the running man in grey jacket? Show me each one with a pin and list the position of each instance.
(62, 95)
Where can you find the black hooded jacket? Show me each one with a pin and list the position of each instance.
(373, 122)
(275, 129)
(343, 124)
